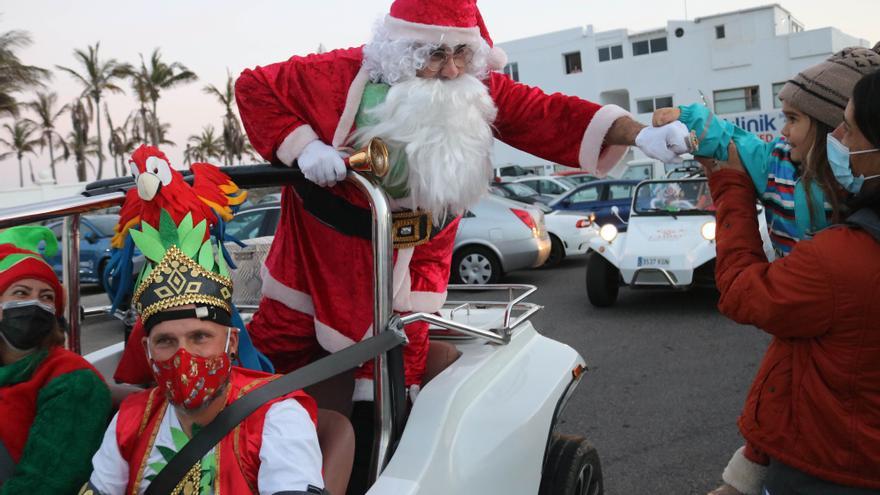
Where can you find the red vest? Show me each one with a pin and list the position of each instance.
(19, 401)
(238, 453)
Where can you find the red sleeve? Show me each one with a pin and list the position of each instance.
(790, 297)
(753, 454)
(560, 128)
(303, 94)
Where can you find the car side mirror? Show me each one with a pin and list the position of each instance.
(91, 238)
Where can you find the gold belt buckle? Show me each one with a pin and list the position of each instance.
(411, 228)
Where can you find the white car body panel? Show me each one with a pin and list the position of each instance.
(562, 225)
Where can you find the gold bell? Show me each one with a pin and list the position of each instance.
(371, 158)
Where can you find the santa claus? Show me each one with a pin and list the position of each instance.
(426, 85)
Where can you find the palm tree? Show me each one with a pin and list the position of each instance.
(157, 76)
(97, 78)
(21, 142)
(81, 146)
(14, 75)
(47, 114)
(234, 139)
(205, 146)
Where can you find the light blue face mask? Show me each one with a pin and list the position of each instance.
(838, 158)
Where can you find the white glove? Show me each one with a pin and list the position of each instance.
(321, 164)
(665, 143)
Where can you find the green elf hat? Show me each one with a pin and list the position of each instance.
(182, 268)
(20, 259)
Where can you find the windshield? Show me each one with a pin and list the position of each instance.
(104, 223)
(518, 189)
(673, 197)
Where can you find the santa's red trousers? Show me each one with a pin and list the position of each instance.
(318, 291)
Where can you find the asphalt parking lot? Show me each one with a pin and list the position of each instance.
(667, 378)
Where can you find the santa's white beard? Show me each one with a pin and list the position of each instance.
(444, 127)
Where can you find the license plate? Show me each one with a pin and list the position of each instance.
(652, 261)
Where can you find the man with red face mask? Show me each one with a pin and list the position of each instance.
(185, 306)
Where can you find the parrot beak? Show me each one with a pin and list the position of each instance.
(148, 186)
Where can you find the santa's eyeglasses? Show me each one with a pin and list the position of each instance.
(461, 57)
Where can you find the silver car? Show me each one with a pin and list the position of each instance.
(498, 236)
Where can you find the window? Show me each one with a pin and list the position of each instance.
(737, 100)
(648, 105)
(640, 48)
(550, 187)
(512, 70)
(650, 46)
(573, 63)
(620, 191)
(658, 45)
(719, 32)
(777, 87)
(607, 53)
(246, 225)
(585, 194)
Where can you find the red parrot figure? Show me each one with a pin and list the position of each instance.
(160, 186)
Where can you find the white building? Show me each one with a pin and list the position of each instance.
(736, 62)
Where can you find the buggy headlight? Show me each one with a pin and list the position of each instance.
(708, 231)
(608, 232)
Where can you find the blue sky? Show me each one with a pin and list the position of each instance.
(211, 37)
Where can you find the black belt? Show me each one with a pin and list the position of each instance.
(409, 228)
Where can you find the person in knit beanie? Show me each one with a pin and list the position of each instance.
(49, 394)
(791, 175)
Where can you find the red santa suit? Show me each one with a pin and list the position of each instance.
(317, 289)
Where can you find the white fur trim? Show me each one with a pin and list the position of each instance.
(401, 280)
(290, 297)
(497, 58)
(591, 144)
(744, 475)
(363, 389)
(398, 29)
(352, 103)
(294, 143)
(332, 339)
(426, 302)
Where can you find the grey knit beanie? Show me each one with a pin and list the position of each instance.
(823, 90)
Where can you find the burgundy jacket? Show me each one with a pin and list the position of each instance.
(815, 402)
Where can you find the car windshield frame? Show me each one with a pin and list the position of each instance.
(652, 205)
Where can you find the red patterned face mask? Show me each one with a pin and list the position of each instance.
(188, 380)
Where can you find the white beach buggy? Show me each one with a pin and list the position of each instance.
(484, 424)
(669, 242)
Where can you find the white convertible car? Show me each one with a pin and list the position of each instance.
(486, 418)
(669, 242)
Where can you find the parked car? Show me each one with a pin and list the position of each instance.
(497, 236)
(494, 237)
(578, 176)
(509, 171)
(95, 232)
(570, 234)
(598, 197)
(670, 242)
(518, 191)
(549, 184)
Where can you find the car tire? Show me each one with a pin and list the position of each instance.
(102, 265)
(603, 281)
(475, 265)
(557, 252)
(571, 467)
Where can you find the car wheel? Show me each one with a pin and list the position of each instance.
(557, 252)
(101, 267)
(571, 467)
(603, 281)
(475, 265)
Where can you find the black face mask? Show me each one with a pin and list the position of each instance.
(26, 323)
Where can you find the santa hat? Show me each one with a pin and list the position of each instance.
(447, 22)
(19, 259)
